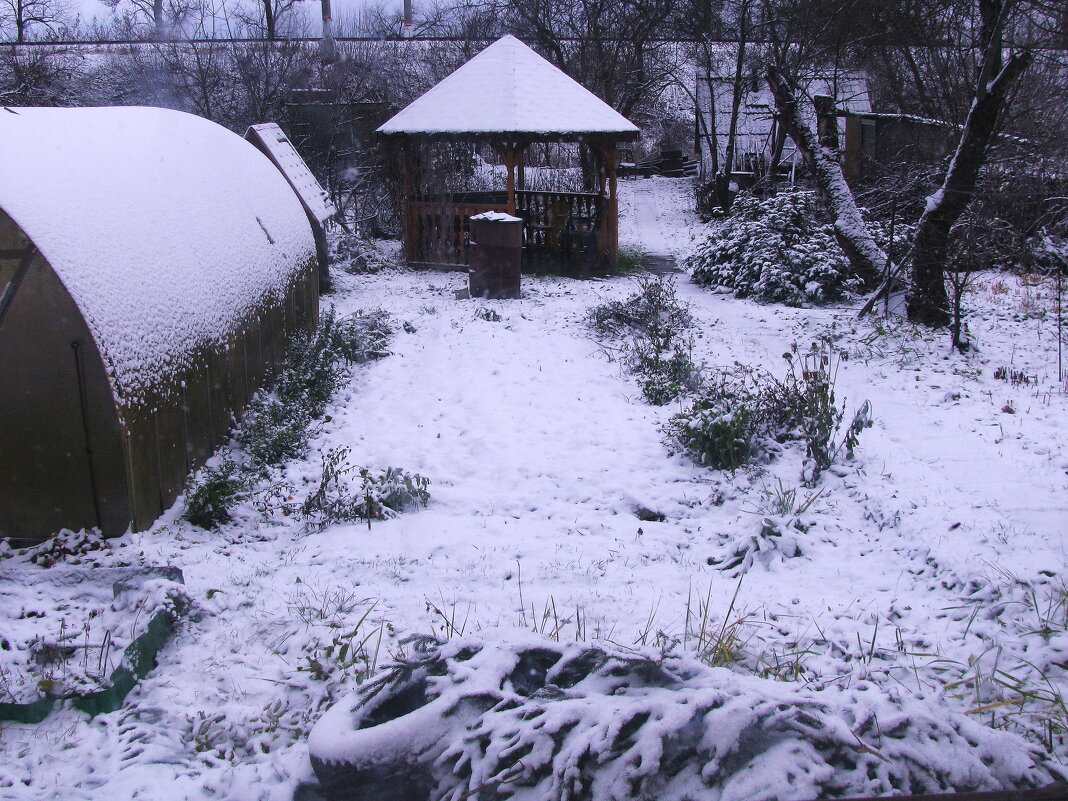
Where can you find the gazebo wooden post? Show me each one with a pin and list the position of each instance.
(612, 158)
(407, 228)
(510, 153)
(608, 236)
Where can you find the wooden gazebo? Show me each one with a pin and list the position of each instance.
(509, 97)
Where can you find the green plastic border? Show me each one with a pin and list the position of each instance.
(137, 660)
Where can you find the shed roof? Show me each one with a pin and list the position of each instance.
(510, 89)
(167, 229)
(285, 157)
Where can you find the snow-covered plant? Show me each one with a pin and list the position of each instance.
(770, 539)
(820, 417)
(524, 717)
(217, 490)
(356, 254)
(655, 304)
(741, 413)
(716, 430)
(277, 424)
(332, 501)
(630, 260)
(778, 250)
(738, 412)
(390, 492)
(651, 326)
(379, 497)
(70, 547)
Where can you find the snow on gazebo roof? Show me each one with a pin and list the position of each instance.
(166, 229)
(510, 89)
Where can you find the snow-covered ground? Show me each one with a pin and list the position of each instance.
(933, 558)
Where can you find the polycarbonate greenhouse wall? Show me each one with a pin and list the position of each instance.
(152, 274)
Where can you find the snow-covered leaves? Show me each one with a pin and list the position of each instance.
(650, 331)
(518, 716)
(775, 250)
(741, 413)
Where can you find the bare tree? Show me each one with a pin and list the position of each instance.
(928, 302)
(266, 18)
(42, 76)
(994, 81)
(160, 19)
(613, 48)
(26, 17)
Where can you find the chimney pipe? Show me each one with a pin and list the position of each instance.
(407, 28)
(327, 47)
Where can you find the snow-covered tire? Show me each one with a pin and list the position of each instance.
(381, 743)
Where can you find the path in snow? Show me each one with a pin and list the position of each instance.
(650, 223)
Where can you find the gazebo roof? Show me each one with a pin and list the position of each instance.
(509, 90)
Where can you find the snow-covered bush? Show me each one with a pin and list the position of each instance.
(717, 429)
(69, 547)
(777, 250)
(216, 491)
(742, 412)
(379, 497)
(655, 304)
(356, 255)
(765, 541)
(524, 717)
(390, 492)
(650, 326)
(277, 424)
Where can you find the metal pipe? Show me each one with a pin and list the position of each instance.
(83, 402)
(407, 28)
(327, 47)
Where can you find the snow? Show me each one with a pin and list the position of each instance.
(916, 571)
(508, 88)
(497, 216)
(284, 155)
(66, 629)
(934, 200)
(167, 229)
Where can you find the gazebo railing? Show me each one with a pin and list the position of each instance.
(558, 226)
(551, 216)
(438, 230)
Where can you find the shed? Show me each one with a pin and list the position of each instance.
(152, 265)
(510, 97)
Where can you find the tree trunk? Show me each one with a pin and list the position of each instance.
(158, 20)
(268, 19)
(867, 258)
(928, 302)
(723, 178)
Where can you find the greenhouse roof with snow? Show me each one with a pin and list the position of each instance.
(165, 228)
(152, 266)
